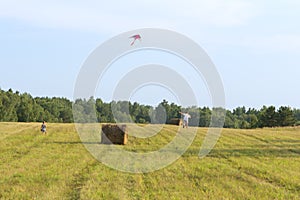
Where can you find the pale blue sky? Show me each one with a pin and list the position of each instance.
(255, 45)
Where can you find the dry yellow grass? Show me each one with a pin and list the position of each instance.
(245, 164)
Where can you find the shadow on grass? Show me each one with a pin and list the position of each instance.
(281, 148)
(292, 149)
(285, 141)
(71, 142)
(249, 152)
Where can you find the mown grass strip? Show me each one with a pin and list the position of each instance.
(245, 164)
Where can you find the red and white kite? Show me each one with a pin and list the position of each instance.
(135, 37)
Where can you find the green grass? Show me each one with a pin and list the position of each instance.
(245, 164)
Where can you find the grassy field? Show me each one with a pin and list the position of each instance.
(245, 164)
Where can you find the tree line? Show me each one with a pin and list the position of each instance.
(17, 107)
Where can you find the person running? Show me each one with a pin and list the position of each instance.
(186, 117)
(43, 127)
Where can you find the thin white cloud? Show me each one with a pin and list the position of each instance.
(215, 12)
(192, 17)
(274, 43)
(116, 16)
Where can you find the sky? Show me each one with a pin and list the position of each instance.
(254, 44)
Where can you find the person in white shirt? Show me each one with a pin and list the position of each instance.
(186, 117)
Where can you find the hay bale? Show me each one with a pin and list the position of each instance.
(113, 134)
(175, 121)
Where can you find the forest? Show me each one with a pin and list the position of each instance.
(22, 107)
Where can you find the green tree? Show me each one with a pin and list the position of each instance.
(160, 114)
(174, 111)
(229, 120)
(268, 117)
(8, 103)
(252, 120)
(84, 111)
(25, 108)
(297, 116)
(252, 117)
(218, 117)
(205, 117)
(286, 116)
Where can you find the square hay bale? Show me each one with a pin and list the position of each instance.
(175, 121)
(113, 134)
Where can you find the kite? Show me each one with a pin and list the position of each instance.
(135, 37)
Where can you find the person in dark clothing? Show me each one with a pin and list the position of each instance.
(43, 128)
